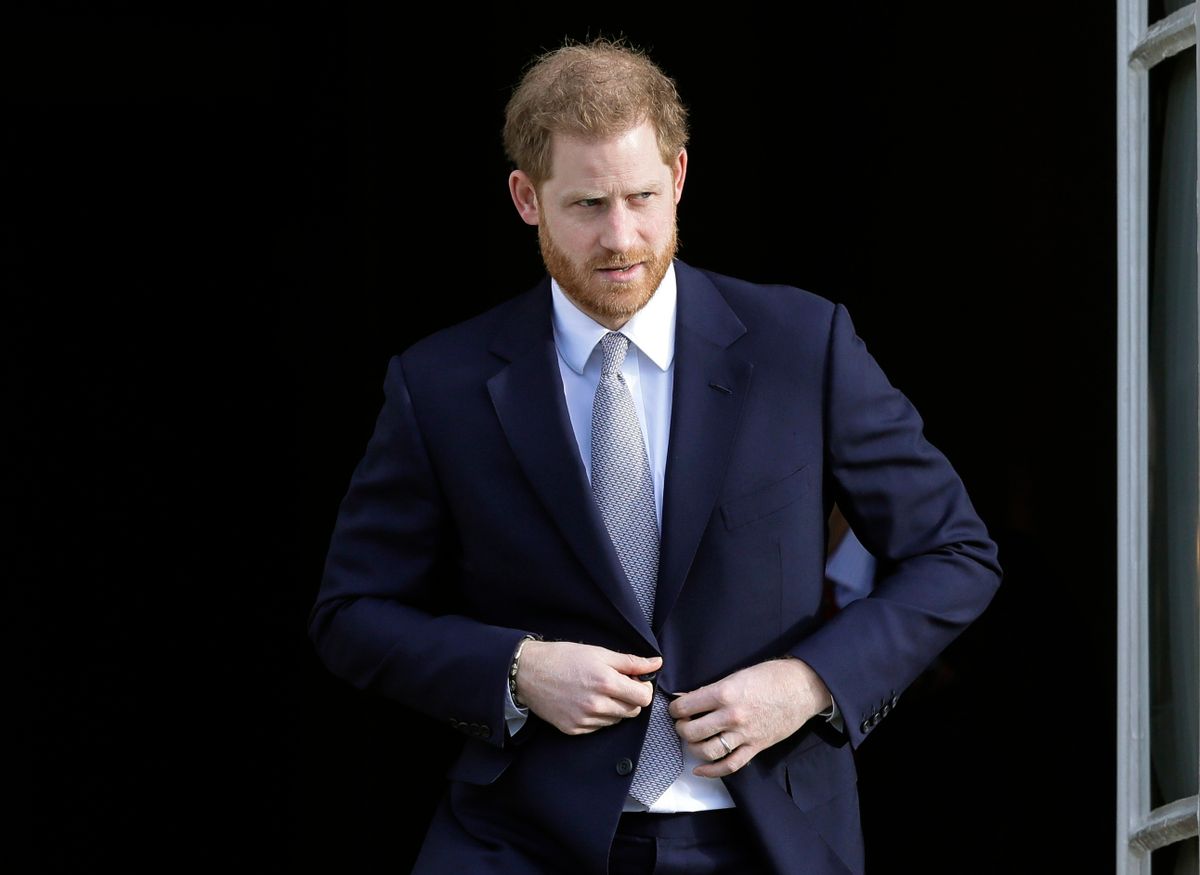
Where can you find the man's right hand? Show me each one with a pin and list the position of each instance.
(580, 688)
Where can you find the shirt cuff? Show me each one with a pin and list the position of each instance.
(514, 717)
(833, 716)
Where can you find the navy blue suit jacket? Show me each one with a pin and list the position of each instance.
(469, 522)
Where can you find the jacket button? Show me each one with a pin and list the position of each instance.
(649, 676)
(624, 766)
(865, 727)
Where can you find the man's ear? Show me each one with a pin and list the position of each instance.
(524, 196)
(678, 172)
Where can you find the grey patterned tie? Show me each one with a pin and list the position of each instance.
(624, 491)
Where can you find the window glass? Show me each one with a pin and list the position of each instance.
(1173, 416)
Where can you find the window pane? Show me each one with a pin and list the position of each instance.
(1174, 451)
(1180, 858)
(1159, 9)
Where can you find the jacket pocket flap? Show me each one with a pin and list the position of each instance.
(818, 772)
(767, 500)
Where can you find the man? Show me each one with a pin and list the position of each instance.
(589, 530)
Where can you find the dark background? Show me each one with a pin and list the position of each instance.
(217, 229)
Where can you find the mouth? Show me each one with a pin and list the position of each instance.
(621, 273)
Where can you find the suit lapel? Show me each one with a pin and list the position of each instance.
(529, 401)
(711, 383)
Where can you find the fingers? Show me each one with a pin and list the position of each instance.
(606, 713)
(708, 720)
(699, 701)
(727, 747)
(713, 747)
(628, 691)
(709, 739)
(710, 735)
(628, 685)
(619, 695)
(721, 754)
(595, 711)
(614, 696)
(705, 726)
(700, 716)
(579, 688)
(749, 711)
(627, 663)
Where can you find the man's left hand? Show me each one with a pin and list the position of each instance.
(750, 710)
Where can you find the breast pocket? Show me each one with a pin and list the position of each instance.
(768, 500)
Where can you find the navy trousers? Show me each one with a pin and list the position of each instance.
(700, 843)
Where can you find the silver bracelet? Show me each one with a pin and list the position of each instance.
(512, 669)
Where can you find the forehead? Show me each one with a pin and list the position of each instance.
(626, 155)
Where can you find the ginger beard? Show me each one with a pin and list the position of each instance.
(609, 300)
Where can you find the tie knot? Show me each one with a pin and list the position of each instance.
(614, 346)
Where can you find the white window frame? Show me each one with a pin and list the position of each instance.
(1140, 830)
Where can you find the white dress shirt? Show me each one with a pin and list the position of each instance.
(650, 375)
(852, 569)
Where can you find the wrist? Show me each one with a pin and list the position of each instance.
(811, 684)
(515, 666)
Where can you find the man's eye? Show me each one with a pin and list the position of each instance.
(588, 202)
(644, 195)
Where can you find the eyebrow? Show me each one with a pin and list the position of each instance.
(591, 194)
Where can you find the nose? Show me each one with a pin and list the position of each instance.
(620, 229)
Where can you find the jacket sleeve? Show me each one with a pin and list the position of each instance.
(938, 567)
(384, 617)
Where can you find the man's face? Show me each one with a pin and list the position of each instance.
(606, 219)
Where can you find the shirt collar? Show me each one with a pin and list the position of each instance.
(651, 329)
